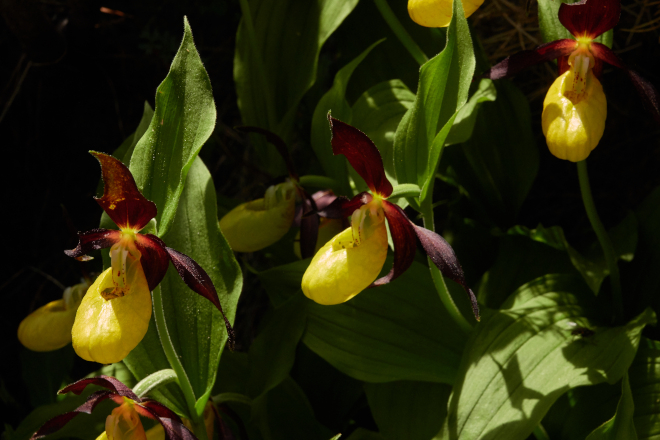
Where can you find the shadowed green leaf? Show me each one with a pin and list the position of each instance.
(463, 126)
(645, 384)
(183, 120)
(621, 426)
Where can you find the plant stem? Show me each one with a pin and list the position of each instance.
(401, 32)
(173, 359)
(438, 280)
(540, 433)
(603, 239)
(259, 63)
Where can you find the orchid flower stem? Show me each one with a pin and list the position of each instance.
(401, 33)
(603, 239)
(175, 362)
(438, 280)
(259, 63)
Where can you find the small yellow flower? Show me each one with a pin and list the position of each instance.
(49, 327)
(574, 121)
(351, 261)
(437, 13)
(124, 423)
(255, 225)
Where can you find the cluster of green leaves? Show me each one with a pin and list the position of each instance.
(404, 360)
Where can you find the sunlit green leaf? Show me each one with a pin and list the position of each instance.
(523, 357)
(184, 119)
(463, 126)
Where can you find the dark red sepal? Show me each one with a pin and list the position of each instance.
(645, 90)
(510, 66)
(122, 200)
(443, 256)
(154, 259)
(342, 206)
(275, 141)
(590, 18)
(93, 240)
(58, 422)
(155, 410)
(108, 382)
(362, 154)
(199, 281)
(175, 430)
(403, 236)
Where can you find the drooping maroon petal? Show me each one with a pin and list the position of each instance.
(154, 259)
(443, 256)
(342, 207)
(93, 240)
(108, 382)
(199, 281)
(645, 89)
(122, 200)
(277, 142)
(58, 422)
(510, 66)
(309, 227)
(362, 154)
(155, 410)
(590, 18)
(403, 236)
(175, 430)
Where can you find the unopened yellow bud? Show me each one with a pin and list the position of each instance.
(49, 327)
(106, 330)
(437, 13)
(255, 225)
(124, 424)
(346, 265)
(573, 118)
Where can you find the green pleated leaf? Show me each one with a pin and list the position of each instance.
(444, 82)
(183, 120)
(645, 384)
(289, 37)
(196, 327)
(463, 126)
(621, 426)
(334, 100)
(523, 357)
(498, 163)
(273, 351)
(405, 410)
(552, 29)
(398, 331)
(378, 113)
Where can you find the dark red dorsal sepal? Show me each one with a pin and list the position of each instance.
(590, 18)
(362, 154)
(122, 200)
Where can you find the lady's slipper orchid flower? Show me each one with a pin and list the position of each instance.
(114, 314)
(49, 327)
(124, 422)
(574, 109)
(255, 225)
(351, 261)
(437, 13)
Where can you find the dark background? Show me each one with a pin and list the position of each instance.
(74, 78)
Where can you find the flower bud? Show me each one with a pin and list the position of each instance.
(437, 13)
(49, 327)
(348, 263)
(255, 225)
(106, 330)
(574, 121)
(124, 424)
